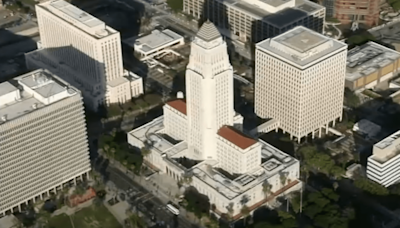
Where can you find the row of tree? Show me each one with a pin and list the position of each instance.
(114, 146)
(315, 160)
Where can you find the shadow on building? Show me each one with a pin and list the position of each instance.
(12, 49)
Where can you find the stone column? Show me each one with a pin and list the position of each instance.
(327, 128)
(320, 132)
(313, 134)
(333, 123)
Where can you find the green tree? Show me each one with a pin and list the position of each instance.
(245, 211)
(145, 151)
(175, 5)
(266, 188)
(396, 6)
(351, 99)
(370, 186)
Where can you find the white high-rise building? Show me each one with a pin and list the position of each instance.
(209, 90)
(84, 51)
(383, 165)
(225, 164)
(299, 81)
(43, 142)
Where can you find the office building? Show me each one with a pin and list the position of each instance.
(155, 43)
(228, 166)
(371, 66)
(348, 11)
(382, 165)
(256, 20)
(85, 52)
(43, 138)
(299, 81)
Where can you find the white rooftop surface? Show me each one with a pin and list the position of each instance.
(387, 148)
(78, 17)
(256, 9)
(300, 46)
(366, 59)
(6, 88)
(276, 161)
(117, 81)
(156, 39)
(39, 88)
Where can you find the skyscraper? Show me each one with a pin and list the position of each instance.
(299, 81)
(43, 138)
(84, 51)
(209, 90)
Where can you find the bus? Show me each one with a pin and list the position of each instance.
(173, 209)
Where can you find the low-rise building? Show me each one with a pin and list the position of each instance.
(43, 138)
(370, 66)
(155, 42)
(383, 165)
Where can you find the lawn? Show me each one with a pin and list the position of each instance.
(90, 217)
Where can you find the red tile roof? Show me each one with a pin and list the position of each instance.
(179, 105)
(236, 137)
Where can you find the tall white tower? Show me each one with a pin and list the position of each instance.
(209, 91)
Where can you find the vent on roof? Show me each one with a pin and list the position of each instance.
(4, 118)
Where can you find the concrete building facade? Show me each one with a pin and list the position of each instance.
(383, 165)
(226, 164)
(256, 20)
(43, 138)
(299, 81)
(371, 66)
(89, 55)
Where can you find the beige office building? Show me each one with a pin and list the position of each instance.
(84, 51)
(256, 20)
(371, 66)
(43, 138)
(299, 81)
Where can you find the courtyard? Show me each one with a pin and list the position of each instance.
(89, 217)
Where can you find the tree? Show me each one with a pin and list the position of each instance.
(351, 99)
(145, 151)
(266, 188)
(230, 210)
(245, 211)
(176, 5)
(283, 177)
(43, 217)
(370, 186)
(79, 190)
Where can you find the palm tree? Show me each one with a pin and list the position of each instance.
(245, 212)
(230, 210)
(283, 178)
(43, 217)
(267, 188)
(145, 151)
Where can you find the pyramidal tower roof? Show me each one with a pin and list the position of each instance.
(208, 32)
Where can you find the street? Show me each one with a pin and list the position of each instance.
(153, 204)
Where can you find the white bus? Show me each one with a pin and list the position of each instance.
(173, 209)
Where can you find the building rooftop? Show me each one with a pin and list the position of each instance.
(208, 32)
(155, 40)
(179, 105)
(78, 18)
(388, 141)
(368, 58)
(263, 9)
(36, 89)
(300, 46)
(275, 161)
(6, 88)
(236, 137)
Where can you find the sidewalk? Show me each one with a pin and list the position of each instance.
(162, 192)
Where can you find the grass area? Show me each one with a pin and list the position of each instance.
(90, 217)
